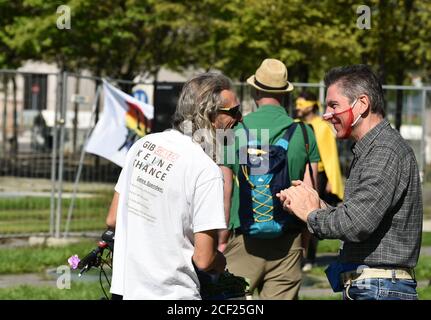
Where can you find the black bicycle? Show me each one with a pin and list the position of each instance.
(100, 257)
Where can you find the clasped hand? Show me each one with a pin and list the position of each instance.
(300, 199)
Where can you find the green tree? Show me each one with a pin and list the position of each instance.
(110, 38)
(9, 59)
(123, 38)
(308, 37)
(398, 43)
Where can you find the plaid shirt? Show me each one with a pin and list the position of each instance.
(380, 220)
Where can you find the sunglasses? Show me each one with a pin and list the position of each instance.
(234, 112)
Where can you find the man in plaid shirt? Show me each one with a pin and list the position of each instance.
(380, 221)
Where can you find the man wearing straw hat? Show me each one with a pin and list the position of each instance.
(271, 261)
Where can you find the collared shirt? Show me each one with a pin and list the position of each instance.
(380, 220)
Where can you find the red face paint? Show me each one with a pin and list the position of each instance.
(350, 120)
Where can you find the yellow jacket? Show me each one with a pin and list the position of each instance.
(328, 154)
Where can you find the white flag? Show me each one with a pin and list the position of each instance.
(123, 121)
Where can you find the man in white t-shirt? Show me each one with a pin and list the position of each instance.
(168, 202)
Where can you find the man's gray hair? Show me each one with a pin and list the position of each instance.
(199, 101)
(355, 80)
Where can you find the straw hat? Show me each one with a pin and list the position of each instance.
(271, 76)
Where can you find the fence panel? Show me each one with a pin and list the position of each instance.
(44, 118)
(26, 151)
(426, 120)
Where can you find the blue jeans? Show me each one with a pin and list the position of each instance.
(381, 289)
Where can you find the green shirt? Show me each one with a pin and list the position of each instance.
(276, 120)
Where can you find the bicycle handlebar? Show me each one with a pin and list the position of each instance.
(94, 258)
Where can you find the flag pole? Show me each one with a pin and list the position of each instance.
(81, 161)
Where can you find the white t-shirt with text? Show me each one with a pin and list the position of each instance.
(169, 189)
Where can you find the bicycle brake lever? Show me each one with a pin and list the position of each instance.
(85, 269)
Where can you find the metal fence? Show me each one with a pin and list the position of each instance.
(45, 117)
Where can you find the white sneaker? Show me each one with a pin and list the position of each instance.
(307, 267)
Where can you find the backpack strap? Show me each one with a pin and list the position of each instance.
(247, 132)
(289, 132)
(307, 149)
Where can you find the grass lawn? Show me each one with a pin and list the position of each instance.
(77, 291)
(38, 259)
(423, 269)
(426, 239)
(32, 214)
(328, 246)
(424, 293)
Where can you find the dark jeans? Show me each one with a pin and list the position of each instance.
(381, 289)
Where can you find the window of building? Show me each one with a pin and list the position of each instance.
(35, 91)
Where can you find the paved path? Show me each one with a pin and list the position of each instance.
(47, 279)
(19, 194)
(15, 184)
(427, 226)
(426, 251)
(31, 279)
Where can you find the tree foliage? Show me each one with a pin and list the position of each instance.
(124, 38)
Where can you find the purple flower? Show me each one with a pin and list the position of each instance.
(73, 261)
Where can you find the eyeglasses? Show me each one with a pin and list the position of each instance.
(234, 112)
